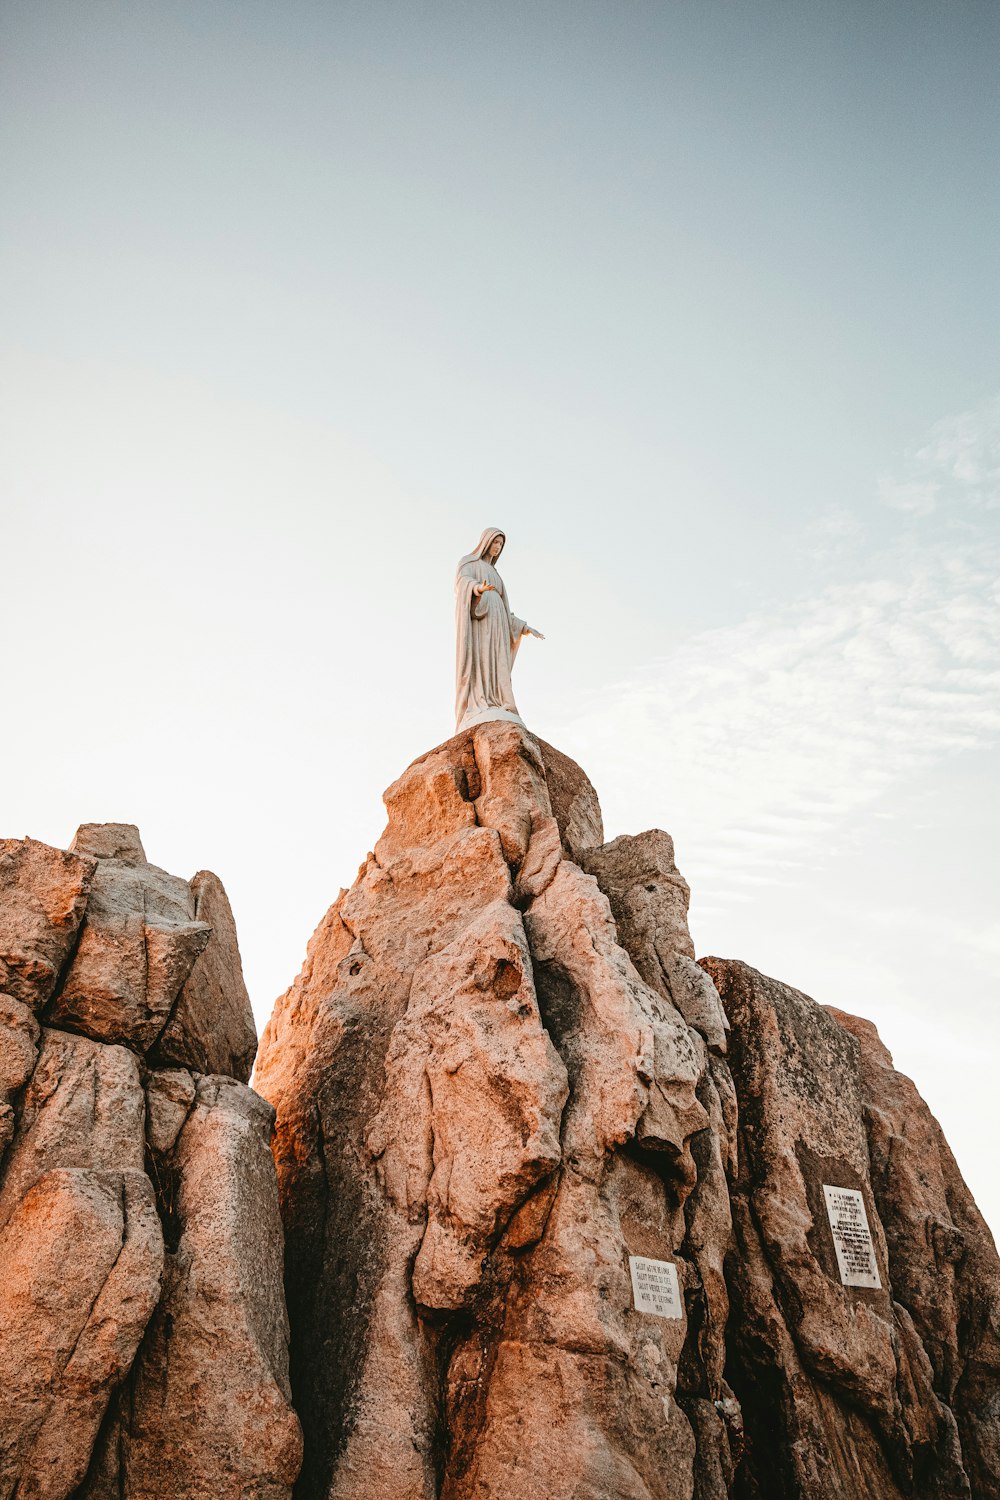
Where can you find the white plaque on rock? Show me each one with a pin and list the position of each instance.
(655, 1288)
(852, 1239)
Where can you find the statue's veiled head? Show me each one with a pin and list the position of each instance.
(490, 544)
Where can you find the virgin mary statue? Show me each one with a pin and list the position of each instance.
(488, 637)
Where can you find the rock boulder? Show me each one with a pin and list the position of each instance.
(143, 1332)
(507, 1097)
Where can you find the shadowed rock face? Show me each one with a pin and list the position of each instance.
(836, 1386)
(945, 1271)
(143, 1333)
(502, 1086)
(483, 1110)
(500, 1075)
(82, 1256)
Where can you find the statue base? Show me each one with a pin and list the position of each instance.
(490, 716)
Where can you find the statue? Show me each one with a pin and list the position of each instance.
(488, 637)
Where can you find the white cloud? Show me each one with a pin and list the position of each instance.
(760, 740)
(957, 463)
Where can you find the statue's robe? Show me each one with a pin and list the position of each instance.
(488, 636)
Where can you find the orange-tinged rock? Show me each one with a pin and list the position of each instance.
(835, 1384)
(555, 1196)
(208, 1409)
(19, 1034)
(83, 1107)
(211, 1027)
(454, 1225)
(43, 892)
(574, 801)
(82, 1257)
(137, 945)
(105, 1158)
(942, 1259)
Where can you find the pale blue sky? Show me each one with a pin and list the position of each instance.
(699, 302)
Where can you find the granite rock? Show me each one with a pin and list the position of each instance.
(19, 1034)
(573, 800)
(43, 892)
(82, 1256)
(483, 1109)
(834, 1383)
(649, 899)
(137, 944)
(211, 1027)
(143, 1332)
(499, 1078)
(83, 1107)
(944, 1265)
(170, 1094)
(208, 1410)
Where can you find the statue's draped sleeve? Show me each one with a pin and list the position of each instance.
(517, 629)
(466, 606)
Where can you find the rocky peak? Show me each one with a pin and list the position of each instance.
(567, 1215)
(506, 1098)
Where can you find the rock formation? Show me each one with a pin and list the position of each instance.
(143, 1333)
(567, 1215)
(500, 1080)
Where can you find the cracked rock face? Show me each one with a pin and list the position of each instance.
(548, 1197)
(837, 1383)
(945, 1272)
(500, 1078)
(82, 1256)
(143, 1333)
(43, 893)
(155, 965)
(483, 1109)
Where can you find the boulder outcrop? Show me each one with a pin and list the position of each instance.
(556, 1211)
(556, 1196)
(143, 1332)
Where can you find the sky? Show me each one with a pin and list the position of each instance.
(698, 302)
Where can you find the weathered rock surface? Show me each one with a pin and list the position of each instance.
(945, 1271)
(502, 1088)
(573, 800)
(83, 1107)
(170, 1093)
(43, 893)
(836, 1385)
(207, 1410)
(82, 1256)
(124, 952)
(19, 1033)
(211, 1028)
(137, 944)
(128, 1371)
(500, 1075)
(483, 1108)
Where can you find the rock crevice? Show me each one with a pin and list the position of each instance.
(526, 1203)
(499, 1079)
(143, 1332)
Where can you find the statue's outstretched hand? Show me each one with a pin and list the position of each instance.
(529, 630)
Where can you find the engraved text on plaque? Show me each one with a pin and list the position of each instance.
(655, 1288)
(852, 1239)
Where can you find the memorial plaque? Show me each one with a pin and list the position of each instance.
(655, 1288)
(852, 1239)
